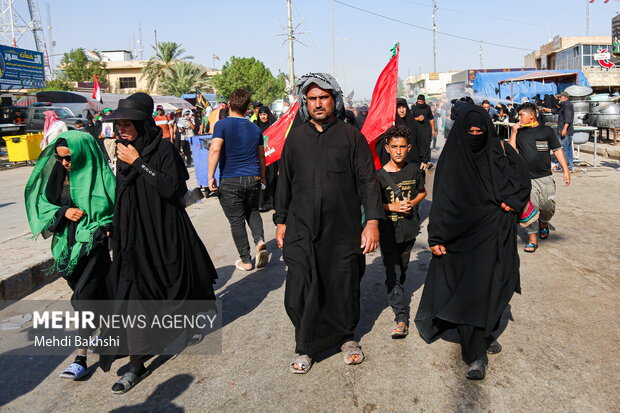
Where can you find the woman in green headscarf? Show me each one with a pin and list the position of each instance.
(70, 196)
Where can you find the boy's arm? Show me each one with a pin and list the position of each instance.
(421, 195)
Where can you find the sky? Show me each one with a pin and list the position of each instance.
(362, 41)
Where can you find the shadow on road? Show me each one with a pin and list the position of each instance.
(20, 375)
(245, 295)
(161, 400)
(374, 294)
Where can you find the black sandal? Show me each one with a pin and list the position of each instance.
(128, 381)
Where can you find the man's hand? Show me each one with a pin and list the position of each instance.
(212, 183)
(74, 214)
(505, 207)
(423, 166)
(280, 231)
(434, 133)
(419, 118)
(566, 175)
(438, 249)
(370, 236)
(563, 133)
(516, 127)
(127, 154)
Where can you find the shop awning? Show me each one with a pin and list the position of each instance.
(541, 75)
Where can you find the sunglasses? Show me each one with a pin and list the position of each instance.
(63, 158)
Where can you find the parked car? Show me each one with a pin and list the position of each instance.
(35, 116)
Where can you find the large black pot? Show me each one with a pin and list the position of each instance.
(603, 120)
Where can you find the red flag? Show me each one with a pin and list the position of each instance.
(382, 111)
(276, 134)
(97, 90)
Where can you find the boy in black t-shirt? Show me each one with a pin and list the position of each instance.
(402, 189)
(534, 141)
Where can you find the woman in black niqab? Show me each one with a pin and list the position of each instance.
(266, 199)
(419, 153)
(480, 184)
(158, 256)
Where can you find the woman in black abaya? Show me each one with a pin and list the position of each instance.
(479, 185)
(420, 153)
(267, 195)
(158, 256)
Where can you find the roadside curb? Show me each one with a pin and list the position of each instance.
(23, 283)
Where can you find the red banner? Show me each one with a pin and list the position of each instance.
(276, 134)
(382, 111)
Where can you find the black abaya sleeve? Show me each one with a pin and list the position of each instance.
(170, 175)
(368, 188)
(283, 189)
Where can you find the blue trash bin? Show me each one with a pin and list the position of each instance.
(200, 152)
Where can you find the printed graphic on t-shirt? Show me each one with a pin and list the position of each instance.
(407, 189)
(542, 146)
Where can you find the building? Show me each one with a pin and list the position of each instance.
(590, 54)
(429, 84)
(125, 74)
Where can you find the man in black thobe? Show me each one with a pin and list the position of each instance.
(326, 176)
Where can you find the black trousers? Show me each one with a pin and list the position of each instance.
(186, 147)
(396, 260)
(239, 200)
(474, 344)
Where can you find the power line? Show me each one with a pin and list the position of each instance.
(430, 30)
(477, 15)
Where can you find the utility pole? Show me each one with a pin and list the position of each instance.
(291, 40)
(480, 54)
(587, 17)
(333, 42)
(435, 10)
(52, 41)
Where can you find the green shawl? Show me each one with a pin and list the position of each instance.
(93, 189)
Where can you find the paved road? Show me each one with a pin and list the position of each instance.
(561, 349)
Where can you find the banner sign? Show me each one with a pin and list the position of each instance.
(21, 69)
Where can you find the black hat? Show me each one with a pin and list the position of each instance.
(421, 97)
(257, 104)
(138, 106)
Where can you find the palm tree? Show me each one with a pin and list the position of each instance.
(183, 77)
(166, 55)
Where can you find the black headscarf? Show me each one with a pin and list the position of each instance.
(270, 121)
(147, 142)
(408, 120)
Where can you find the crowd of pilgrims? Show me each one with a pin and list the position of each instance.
(158, 255)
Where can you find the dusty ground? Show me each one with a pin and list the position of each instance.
(561, 349)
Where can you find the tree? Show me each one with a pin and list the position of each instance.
(183, 77)
(77, 68)
(55, 85)
(166, 55)
(249, 74)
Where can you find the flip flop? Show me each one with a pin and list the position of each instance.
(129, 380)
(302, 360)
(543, 233)
(352, 348)
(75, 371)
(530, 245)
(400, 332)
(239, 267)
(262, 258)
